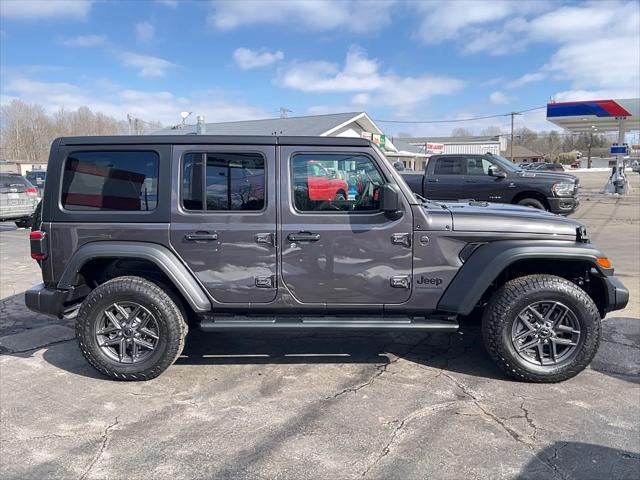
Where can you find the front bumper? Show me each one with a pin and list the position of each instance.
(617, 294)
(563, 205)
(52, 301)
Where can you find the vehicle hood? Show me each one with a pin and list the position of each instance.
(549, 176)
(496, 217)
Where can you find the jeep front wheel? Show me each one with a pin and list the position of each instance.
(541, 328)
(129, 328)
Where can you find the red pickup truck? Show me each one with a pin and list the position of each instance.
(325, 186)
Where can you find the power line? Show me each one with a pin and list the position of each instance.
(461, 119)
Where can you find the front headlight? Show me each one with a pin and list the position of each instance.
(563, 189)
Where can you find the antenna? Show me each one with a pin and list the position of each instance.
(184, 116)
(284, 112)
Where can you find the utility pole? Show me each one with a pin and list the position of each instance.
(513, 114)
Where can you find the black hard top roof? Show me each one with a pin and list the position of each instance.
(214, 139)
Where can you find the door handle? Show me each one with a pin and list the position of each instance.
(201, 237)
(303, 237)
(471, 181)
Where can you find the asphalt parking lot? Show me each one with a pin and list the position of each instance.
(329, 406)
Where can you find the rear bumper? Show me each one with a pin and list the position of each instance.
(563, 205)
(617, 294)
(52, 301)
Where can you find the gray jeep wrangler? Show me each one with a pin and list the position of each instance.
(139, 237)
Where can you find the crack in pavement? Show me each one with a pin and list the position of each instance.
(380, 369)
(516, 436)
(103, 446)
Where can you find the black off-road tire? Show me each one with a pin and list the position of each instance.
(503, 309)
(532, 202)
(169, 315)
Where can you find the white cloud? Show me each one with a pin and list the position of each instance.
(361, 74)
(91, 40)
(446, 20)
(162, 106)
(149, 66)
(318, 15)
(499, 98)
(45, 9)
(526, 78)
(145, 32)
(247, 59)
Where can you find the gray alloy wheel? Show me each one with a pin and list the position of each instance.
(546, 333)
(127, 332)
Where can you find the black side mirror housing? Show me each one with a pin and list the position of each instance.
(494, 172)
(399, 166)
(389, 195)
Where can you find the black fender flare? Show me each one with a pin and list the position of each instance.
(489, 260)
(161, 256)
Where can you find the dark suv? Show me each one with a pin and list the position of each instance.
(493, 178)
(139, 237)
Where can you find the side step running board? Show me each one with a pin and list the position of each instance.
(444, 324)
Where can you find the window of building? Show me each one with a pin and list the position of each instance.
(232, 181)
(107, 181)
(335, 183)
(448, 166)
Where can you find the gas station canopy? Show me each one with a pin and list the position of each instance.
(595, 115)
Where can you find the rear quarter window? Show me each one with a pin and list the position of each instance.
(110, 181)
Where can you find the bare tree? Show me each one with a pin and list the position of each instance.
(460, 132)
(27, 131)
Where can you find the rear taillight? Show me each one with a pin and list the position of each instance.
(38, 242)
(32, 190)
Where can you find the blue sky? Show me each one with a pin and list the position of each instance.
(245, 59)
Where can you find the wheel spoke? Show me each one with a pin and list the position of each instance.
(528, 345)
(122, 349)
(134, 314)
(541, 353)
(107, 330)
(111, 342)
(148, 333)
(146, 316)
(526, 322)
(122, 311)
(522, 334)
(563, 341)
(554, 352)
(143, 343)
(535, 313)
(567, 329)
(112, 318)
(134, 351)
(561, 316)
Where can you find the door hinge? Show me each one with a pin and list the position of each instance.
(265, 238)
(401, 281)
(401, 239)
(266, 282)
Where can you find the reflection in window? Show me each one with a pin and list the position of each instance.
(232, 181)
(335, 183)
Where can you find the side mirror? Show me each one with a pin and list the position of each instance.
(495, 172)
(389, 196)
(399, 166)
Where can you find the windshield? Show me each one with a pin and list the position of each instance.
(505, 164)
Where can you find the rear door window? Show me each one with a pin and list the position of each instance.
(111, 181)
(449, 166)
(232, 181)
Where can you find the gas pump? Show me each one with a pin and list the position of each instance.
(617, 182)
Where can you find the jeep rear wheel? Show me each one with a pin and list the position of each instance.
(541, 328)
(129, 328)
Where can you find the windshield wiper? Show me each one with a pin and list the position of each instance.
(426, 200)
